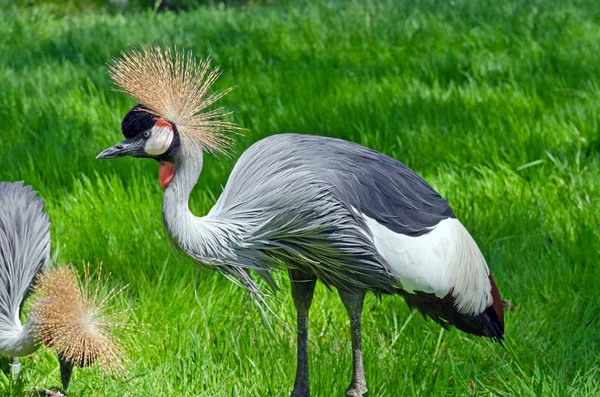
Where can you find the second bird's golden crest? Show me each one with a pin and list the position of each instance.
(77, 320)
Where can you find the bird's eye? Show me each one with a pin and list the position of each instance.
(146, 133)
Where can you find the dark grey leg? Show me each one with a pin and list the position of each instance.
(353, 301)
(303, 288)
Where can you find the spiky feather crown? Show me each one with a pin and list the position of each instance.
(174, 86)
(74, 319)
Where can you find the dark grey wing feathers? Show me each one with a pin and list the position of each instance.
(374, 184)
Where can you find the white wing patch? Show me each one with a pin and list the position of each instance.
(443, 260)
(160, 139)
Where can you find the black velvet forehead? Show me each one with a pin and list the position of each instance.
(138, 119)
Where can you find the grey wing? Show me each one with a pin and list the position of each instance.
(299, 194)
(24, 246)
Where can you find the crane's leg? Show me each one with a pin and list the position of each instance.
(303, 288)
(353, 301)
(15, 367)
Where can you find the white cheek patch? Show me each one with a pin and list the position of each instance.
(160, 139)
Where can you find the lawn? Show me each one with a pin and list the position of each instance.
(497, 106)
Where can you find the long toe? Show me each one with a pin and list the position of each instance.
(356, 390)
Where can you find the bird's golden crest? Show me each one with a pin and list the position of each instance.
(74, 319)
(174, 86)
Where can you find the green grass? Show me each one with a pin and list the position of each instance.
(497, 106)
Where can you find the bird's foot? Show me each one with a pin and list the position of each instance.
(356, 390)
(300, 392)
(54, 392)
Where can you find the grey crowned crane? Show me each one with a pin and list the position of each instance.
(63, 315)
(321, 208)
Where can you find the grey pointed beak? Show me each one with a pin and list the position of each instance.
(130, 147)
(66, 369)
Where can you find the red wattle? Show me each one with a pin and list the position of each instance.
(165, 173)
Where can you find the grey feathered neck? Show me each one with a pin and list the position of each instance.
(204, 236)
(24, 251)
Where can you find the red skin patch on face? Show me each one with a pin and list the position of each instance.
(166, 172)
(163, 123)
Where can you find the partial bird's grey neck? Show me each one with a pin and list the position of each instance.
(17, 340)
(202, 238)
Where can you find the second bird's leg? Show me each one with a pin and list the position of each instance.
(15, 368)
(353, 301)
(303, 288)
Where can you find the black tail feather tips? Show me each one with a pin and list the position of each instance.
(490, 323)
(492, 326)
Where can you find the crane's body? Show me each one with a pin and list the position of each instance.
(353, 217)
(321, 208)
